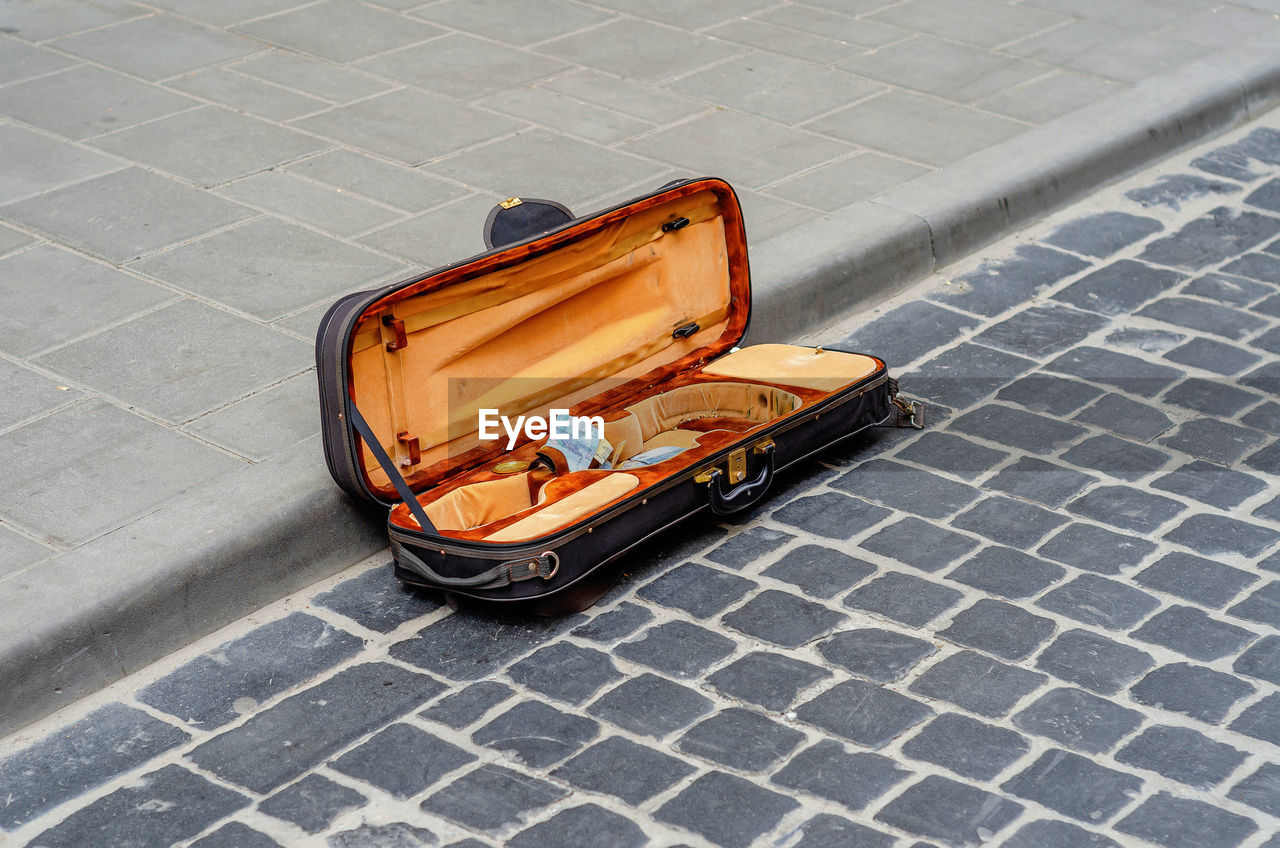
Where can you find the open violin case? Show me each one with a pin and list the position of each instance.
(632, 315)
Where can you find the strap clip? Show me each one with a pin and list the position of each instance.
(545, 565)
(910, 412)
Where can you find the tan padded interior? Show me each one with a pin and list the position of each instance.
(568, 510)
(485, 507)
(550, 331)
(481, 503)
(666, 411)
(789, 365)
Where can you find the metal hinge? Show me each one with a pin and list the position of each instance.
(415, 452)
(399, 338)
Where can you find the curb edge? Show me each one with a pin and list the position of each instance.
(878, 247)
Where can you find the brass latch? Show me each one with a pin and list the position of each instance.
(737, 464)
(509, 202)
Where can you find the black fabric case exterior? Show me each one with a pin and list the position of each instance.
(587, 554)
(520, 218)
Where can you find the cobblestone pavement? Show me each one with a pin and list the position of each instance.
(1050, 620)
(255, 159)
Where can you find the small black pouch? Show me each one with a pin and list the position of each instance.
(518, 218)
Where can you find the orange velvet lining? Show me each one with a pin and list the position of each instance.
(547, 325)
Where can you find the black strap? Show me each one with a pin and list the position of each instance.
(397, 479)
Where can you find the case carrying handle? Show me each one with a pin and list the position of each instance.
(745, 494)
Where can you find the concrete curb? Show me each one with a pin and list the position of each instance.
(194, 565)
(813, 276)
(191, 567)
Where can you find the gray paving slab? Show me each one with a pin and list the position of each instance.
(934, 132)
(85, 101)
(838, 184)
(675, 13)
(982, 22)
(210, 145)
(147, 212)
(1221, 27)
(1134, 58)
(1138, 15)
(321, 206)
(18, 551)
(565, 114)
(521, 23)
(393, 185)
(835, 24)
(268, 267)
(339, 30)
(126, 460)
(787, 90)
(464, 66)
(763, 152)
(1050, 97)
(19, 61)
(631, 97)
(29, 394)
(181, 360)
(335, 83)
(182, 804)
(246, 94)
(409, 126)
(42, 21)
(639, 50)
(174, 46)
(524, 163)
(1062, 43)
(107, 742)
(267, 422)
(212, 690)
(79, 296)
(943, 68)
(11, 239)
(226, 12)
(784, 40)
(37, 163)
